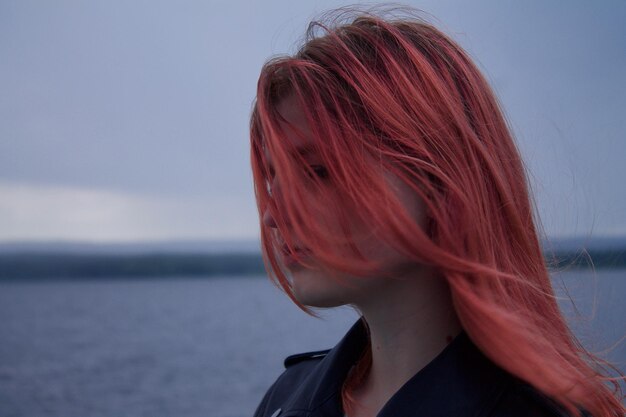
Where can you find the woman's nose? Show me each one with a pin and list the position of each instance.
(268, 220)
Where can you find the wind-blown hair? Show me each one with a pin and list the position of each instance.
(396, 94)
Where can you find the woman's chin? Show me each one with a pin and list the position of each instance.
(313, 290)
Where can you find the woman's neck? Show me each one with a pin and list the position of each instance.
(409, 326)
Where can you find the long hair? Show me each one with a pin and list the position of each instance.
(399, 92)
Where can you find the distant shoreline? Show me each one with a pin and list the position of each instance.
(50, 265)
(84, 266)
(248, 246)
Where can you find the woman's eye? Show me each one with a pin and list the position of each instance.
(320, 171)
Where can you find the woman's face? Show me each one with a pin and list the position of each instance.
(311, 285)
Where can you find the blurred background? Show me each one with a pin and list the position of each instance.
(130, 276)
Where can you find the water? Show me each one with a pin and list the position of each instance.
(186, 347)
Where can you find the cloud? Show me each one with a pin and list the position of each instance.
(45, 212)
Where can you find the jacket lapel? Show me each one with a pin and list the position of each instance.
(459, 381)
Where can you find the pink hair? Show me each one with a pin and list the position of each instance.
(404, 95)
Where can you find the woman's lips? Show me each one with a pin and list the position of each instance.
(292, 258)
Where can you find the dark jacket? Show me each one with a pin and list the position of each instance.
(459, 382)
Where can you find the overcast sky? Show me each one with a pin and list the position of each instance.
(128, 120)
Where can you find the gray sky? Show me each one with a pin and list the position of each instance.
(123, 121)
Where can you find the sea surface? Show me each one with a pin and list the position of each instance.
(192, 347)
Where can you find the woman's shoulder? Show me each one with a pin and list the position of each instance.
(520, 399)
(515, 399)
(460, 381)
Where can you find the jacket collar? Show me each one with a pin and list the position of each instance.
(460, 369)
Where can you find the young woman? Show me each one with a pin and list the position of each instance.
(387, 179)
